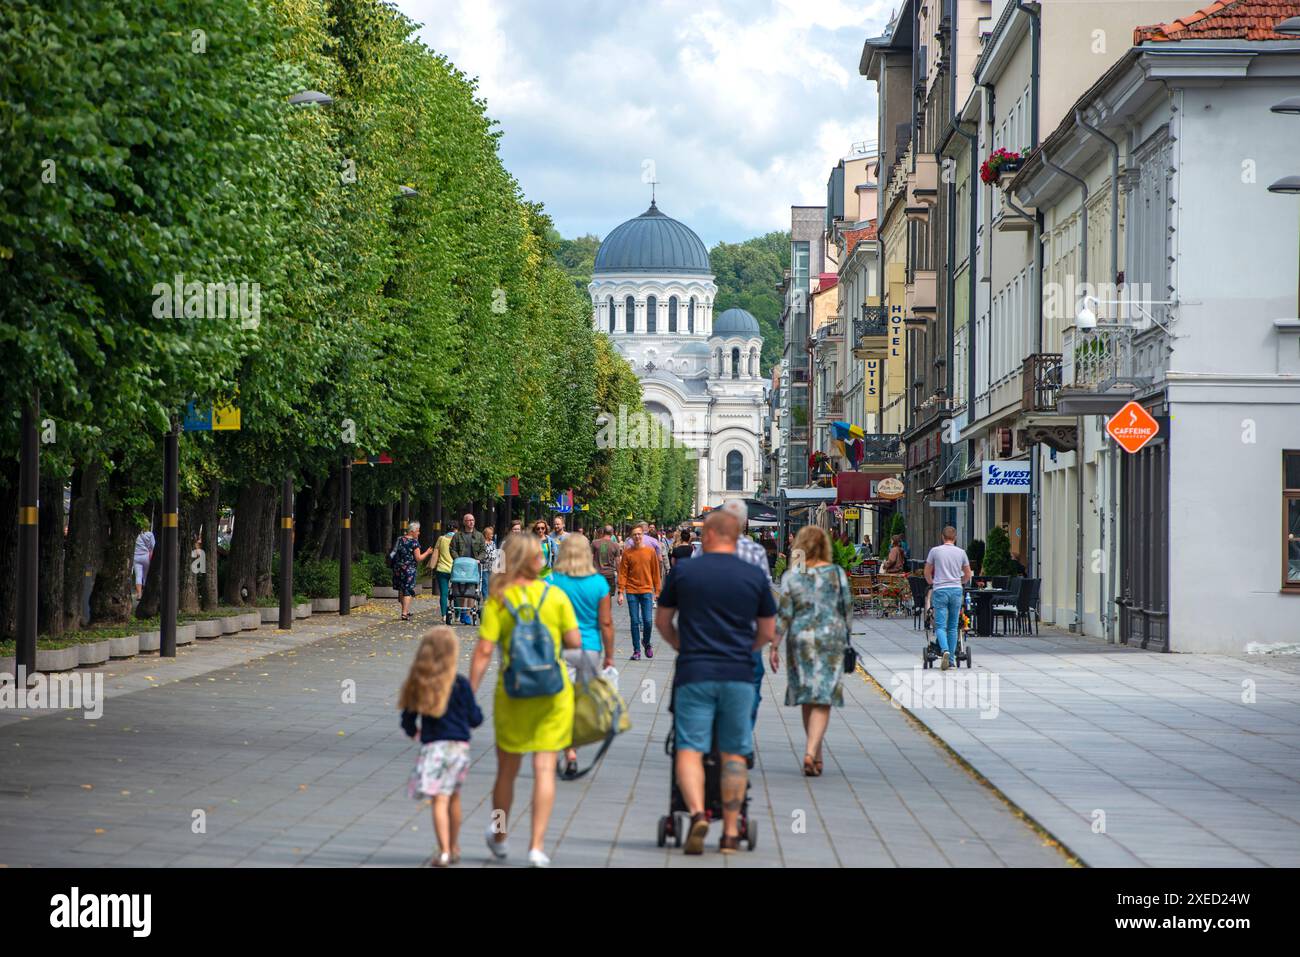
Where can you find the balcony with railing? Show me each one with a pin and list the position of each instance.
(1041, 382)
(830, 408)
(882, 452)
(1108, 364)
(828, 336)
(871, 334)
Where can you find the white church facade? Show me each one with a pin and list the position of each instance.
(652, 293)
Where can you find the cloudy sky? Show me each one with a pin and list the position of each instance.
(742, 106)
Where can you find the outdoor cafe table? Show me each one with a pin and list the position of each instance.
(984, 598)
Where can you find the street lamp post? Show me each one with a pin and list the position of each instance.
(170, 542)
(345, 536)
(29, 556)
(286, 553)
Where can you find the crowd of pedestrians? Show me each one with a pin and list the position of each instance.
(548, 612)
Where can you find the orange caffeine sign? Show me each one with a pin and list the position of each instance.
(1132, 427)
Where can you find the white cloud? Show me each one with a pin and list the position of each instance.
(743, 106)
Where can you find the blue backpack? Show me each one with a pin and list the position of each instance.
(534, 671)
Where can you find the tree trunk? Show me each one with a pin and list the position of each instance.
(304, 507)
(150, 603)
(80, 545)
(49, 605)
(210, 515)
(9, 550)
(240, 584)
(385, 528)
(425, 512)
(187, 527)
(110, 602)
(320, 539)
(267, 542)
(360, 529)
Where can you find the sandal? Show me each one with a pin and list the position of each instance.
(697, 832)
(809, 766)
(570, 769)
(729, 844)
(817, 767)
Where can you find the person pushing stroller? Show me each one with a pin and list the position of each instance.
(468, 542)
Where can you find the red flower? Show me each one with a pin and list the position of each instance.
(997, 159)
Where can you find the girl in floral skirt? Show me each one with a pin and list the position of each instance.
(444, 703)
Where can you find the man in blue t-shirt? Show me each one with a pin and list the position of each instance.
(719, 600)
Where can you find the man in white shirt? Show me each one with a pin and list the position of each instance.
(947, 569)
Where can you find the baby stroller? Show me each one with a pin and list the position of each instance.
(466, 591)
(677, 821)
(932, 652)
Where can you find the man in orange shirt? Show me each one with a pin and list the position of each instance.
(639, 579)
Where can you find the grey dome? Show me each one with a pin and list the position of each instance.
(695, 348)
(736, 322)
(654, 244)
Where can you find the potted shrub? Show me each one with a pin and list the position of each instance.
(997, 557)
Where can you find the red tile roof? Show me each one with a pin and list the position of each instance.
(1225, 20)
(854, 236)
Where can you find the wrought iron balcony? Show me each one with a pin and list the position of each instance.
(830, 408)
(871, 334)
(1041, 381)
(882, 450)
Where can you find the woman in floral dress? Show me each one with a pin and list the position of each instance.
(405, 559)
(814, 614)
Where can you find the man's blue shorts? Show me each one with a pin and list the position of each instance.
(701, 704)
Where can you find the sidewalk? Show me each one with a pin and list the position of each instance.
(1129, 758)
(272, 765)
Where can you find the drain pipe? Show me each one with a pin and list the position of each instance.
(1110, 573)
(1078, 428)
(1032, 10)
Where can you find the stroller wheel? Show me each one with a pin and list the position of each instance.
(925, 659)
(751, 833)
(663, 831)
(968, 661)
(679, 828)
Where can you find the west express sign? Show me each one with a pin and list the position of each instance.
(1002, 478)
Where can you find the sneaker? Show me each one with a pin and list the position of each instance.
(636, 656)
(440, 860)
(946, 663)
(537, 858)
(499, 849)
(649, 652)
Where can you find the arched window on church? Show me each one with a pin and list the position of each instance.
(753, 362)
(672, 314)
(629, 307)
(735, 363)
(610, 303)
(690, 317)
(717, 357)
(735, 471)
(651, 314)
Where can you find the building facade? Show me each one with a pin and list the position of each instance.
(652, 292)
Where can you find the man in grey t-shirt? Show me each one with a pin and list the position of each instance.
(947, 569)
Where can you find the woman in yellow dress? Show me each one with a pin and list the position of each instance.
(540, 726)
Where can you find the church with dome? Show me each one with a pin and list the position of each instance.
(652, 293)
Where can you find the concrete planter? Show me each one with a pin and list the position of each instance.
(384, 591)
(359, 600)
(93, 653)
(185, 634)
(270, 616)
(232, 625)
(150, 641)
(8, 666)
(250, 621)
(324, 604)
(303, 610)
(127, 647)
(58, 659)
(207, 628)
